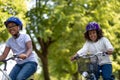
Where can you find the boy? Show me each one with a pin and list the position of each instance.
(21, 45)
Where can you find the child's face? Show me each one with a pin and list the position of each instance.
(93, 35)
(13, 28)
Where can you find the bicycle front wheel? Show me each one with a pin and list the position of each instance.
(92, 77)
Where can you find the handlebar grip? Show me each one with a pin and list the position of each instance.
(104, 53)
(76, 57)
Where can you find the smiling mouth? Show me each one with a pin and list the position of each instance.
(12, 31)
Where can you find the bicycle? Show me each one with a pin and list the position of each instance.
(89, 66)
(5, 76)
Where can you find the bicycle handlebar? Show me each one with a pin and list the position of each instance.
(90, 55)
(11, 58)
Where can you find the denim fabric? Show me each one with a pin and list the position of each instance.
(23, 71)
(106, 72)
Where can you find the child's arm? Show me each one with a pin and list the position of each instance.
(5, 53)
(29, 48)
(110, 51)
(28, 52)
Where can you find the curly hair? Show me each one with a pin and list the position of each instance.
(99, 35)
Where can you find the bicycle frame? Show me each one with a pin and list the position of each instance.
(91, 65)
(4, 75)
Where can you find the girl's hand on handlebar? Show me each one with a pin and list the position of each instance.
(73, 57)
(23, 56)
(110, 51)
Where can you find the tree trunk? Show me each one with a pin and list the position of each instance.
(45, 68)
(118, 74)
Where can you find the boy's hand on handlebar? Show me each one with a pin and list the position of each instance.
(23, 56)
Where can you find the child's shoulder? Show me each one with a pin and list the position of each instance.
(23, 34)
(103, 38)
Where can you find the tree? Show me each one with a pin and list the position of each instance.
(57, 28)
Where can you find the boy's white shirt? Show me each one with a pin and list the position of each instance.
(18, 46)
(102, 45)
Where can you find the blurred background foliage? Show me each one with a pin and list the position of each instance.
(57, 28)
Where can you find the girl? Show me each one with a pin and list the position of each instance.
(96, 42)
